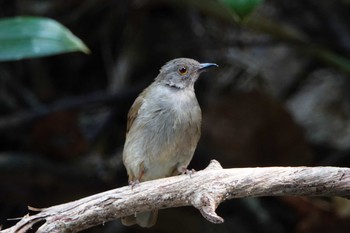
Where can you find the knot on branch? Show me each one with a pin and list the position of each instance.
(213, 165)
(207, 204)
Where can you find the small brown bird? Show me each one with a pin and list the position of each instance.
(163, 129)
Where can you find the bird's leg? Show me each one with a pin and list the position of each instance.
(133, 183)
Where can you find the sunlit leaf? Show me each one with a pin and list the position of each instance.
(30, 37)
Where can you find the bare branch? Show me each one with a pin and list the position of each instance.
(205, 190)
(79, 102)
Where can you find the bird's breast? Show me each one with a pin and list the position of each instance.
(175, 108)
(171, 117)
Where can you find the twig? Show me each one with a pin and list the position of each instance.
(205, 190)
(97, 98)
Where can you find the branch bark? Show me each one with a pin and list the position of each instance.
(204, 190)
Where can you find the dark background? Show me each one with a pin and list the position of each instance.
(280, 97)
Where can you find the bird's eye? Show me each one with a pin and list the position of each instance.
(182, 70)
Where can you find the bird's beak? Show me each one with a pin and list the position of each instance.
(205, 66)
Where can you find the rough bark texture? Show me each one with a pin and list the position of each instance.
(205, 190)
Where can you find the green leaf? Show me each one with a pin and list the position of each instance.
(30, 37)
(242, 8)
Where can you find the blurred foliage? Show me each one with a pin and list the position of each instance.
(242, 8)
(30, 37)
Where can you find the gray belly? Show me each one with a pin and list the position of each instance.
(170, 141)
(163, 142)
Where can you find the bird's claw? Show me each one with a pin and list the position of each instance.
(133, 183)
(189, 172)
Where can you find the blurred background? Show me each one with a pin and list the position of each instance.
(280, 97)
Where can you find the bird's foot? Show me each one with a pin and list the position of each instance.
(189, 172)
(133, 183)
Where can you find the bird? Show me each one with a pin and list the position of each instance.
(163, 128)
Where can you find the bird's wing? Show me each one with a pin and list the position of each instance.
(134, 110)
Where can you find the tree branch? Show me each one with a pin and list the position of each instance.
(78, 102)
(205, 190)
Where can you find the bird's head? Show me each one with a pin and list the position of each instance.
(182, 72)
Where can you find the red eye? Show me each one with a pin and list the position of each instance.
(182, 70)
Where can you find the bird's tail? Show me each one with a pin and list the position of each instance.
(144, 219)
